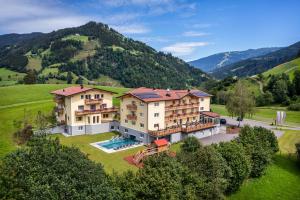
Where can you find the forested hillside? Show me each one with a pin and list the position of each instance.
(93, 51)
(259, 64)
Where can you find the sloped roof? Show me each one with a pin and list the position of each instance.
(210, 114)
(69, 91)
(150, 94)
(161, 142)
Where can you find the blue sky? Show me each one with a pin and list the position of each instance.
(187, 29)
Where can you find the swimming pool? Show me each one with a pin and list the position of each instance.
(117, 144)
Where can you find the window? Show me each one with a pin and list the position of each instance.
(141, 104)
(96, 96)
(78, 118)
(141, 114)
(80, 127)
(93, 107)
(89, 120)
(112, 128)
(82, 96)
(94, 119)
(133, 122)
(141, 135)
(201, 108)
(105, 115)
(156, 114)
(88, 96)
(156, 104)
(194, 118)
(81, 107)
(102, 95)
(133, 102)
(104, 105)
(174, 121)
(126, 130)
(97, 119)
(156, 125)
(202, 99)
(141, 125)
(126, 121)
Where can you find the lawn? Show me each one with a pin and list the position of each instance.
(267, 114)
(9, 77)
(111, 162)
(282, 178)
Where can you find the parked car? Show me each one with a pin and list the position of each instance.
(223, 121)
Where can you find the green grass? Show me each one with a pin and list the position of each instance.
(282, 178)
(81, 38)
(112, 162)
(289, 68)
(267, 114)
(9, 77)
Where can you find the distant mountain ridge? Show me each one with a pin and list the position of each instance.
(92, 51)
(258, 64)
(218, 60)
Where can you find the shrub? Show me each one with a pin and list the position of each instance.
(294, 107)
(267, 137)
(298, 151)
(190, 144)
(23, 135)
(47, 170)
(238, 161)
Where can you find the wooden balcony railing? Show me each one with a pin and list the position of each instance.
(181, 106)
(131, 107)
(182, 128)
(131, 117)
(59, 110)
(182, 115)
(96, 111)
(93, 101)
(58, 99)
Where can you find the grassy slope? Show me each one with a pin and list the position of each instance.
(282, 178)
(34, 62)
(287, 68)
(14, 77)
(265, 114)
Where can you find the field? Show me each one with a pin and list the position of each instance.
(267, 114)
(34, 62)
(9, 77)
(81, 38)
(282, 178)
(289, 68)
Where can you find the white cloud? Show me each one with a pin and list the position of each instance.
(131, 28)
(201, 25)
(183, 48)
(194, 34)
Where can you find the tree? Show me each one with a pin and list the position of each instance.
(79, 80)
(30, 77)
(260, 154)
(298, 152)
(69, 77)
(190, 144)
(264, 99)
(209, 165)
(296, 81)
(41, 122)
(267, 137)
(238, 161)
(47, 170)
(241, 102)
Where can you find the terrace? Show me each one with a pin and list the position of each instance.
(181, 106)
(181, 115)
(96, 111)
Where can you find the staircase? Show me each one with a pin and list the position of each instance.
(139, 156)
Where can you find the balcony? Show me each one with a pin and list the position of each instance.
(59, 99)
(93, 101)
(182, 115)
(96, 111)
(59, 110)
(131, 117)
(182, 128)
(181, 106)
(131, 107)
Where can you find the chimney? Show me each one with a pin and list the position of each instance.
(188, 90)
(154, 88)
(168, 92)
(63, 90)
(81, 86)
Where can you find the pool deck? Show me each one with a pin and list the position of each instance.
(96, 145)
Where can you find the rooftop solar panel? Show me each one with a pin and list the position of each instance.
(200, 94)
(147, 95)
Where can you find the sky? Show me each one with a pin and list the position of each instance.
(188, 29)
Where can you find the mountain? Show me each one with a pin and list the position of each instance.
(258, 64)
(93, 51)
(218, 60)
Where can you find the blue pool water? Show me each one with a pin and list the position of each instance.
(117, 143)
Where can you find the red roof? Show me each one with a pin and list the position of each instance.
(69, 91)
(151, 95)
(161, 142)
(210, 114)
